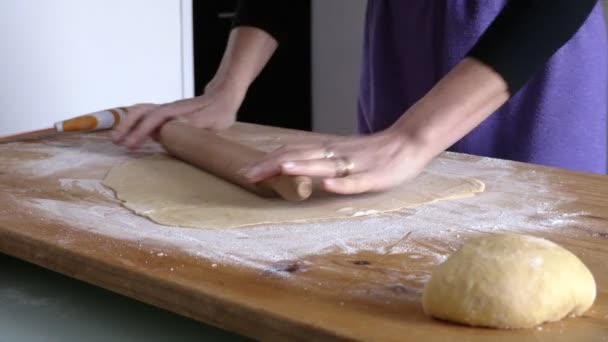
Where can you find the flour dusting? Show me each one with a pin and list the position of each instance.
(261, 245)
(510, 203)
(65, 157)
(84, 184)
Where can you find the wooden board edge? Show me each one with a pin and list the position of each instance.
(211, 310)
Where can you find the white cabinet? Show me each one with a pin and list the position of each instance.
(63, 58)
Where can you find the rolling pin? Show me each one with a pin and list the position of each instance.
(226, 159)
(97, 121)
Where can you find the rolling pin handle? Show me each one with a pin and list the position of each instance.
(290, 188)
(105, 119)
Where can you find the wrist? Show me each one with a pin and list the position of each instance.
(230, 87)
(410, 146)
(417, 138)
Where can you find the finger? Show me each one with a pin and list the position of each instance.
(281, 150)
(137, 113)
(201, 120)
(154, 119)
(271, 164)
(191, 105)
(311, 168)
(145, 127)
(350, 185)
(125, 126)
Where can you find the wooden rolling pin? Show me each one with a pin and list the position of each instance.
(97, 121)
(226, 159)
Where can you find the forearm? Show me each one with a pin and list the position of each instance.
(526, 33)
(247, 52)
(456, 105)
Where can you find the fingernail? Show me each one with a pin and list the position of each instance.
(289, 165)
(254, 171)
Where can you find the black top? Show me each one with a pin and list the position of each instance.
(524, 35)
(268, 15)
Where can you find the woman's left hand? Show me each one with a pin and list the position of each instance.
(348, 165)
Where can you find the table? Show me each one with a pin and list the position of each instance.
(360, 278)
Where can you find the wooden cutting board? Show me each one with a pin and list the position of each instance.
(360, 278)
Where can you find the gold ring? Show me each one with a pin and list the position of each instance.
(343, 166)
(328, 153)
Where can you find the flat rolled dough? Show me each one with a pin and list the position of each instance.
(509, 281)
(171, 192)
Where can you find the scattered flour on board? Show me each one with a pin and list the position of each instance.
(62, 158)
(263, 245)
(85, 184)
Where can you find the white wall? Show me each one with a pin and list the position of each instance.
(337, 39)
(63, 58)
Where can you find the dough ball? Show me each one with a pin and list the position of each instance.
(509, 281)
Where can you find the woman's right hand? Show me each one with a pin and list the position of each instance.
(215, 109)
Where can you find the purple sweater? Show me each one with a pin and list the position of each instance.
(558, 118)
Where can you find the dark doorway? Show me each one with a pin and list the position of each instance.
(281, 96)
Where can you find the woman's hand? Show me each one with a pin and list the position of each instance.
(247, 52)
(216, 109)
(467, 95)
(348, 165)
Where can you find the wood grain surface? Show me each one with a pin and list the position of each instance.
(337, 293)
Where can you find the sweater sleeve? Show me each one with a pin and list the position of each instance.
(268, 15)
(526, 33)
